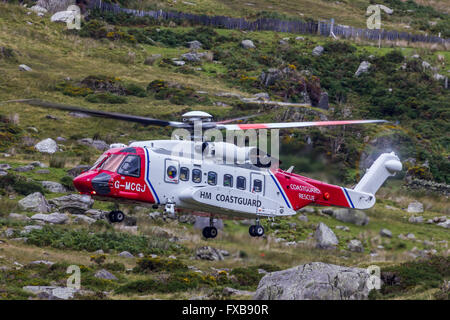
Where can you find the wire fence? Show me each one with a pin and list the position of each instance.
(267, 24)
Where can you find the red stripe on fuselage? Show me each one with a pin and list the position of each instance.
(252, 126)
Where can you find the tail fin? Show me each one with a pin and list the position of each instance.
(385, 166)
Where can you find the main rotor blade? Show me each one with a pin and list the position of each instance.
(101, 114)
(284, 125)
(237, 119)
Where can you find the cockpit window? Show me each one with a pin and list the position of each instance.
(112, 163)
(131, 166)
(99, 161)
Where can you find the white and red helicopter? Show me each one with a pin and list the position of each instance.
(149, 173)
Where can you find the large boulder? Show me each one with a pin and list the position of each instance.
(194, 45)
(51, 292)
(55, 5)
(35, 202)
(415, 207)
(355, 245)
(97, 144)
(314, 281)
(363, 68)
(325, 237)
(54, 186)
(208, 253)
(357, 217)
(105, 274)
(317, 51)
(47, 146)
(247, 44)
(55, 218)
(73, 203)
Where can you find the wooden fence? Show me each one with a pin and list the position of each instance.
(291, 26)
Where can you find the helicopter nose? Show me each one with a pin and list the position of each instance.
(82, 184)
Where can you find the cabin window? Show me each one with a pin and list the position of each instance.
(228, 180)
(184, 174)
(112, 163)
(257, 185)
(212, 178)
(240, 183)
(197, 175)
(131, 166)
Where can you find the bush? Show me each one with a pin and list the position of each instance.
(158, 264)
(20, 184)
(135, 90)
(107, 241)
(73, 91)
(67, 182)
(57, 161)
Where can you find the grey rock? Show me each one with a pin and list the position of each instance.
(307, 210)
(426, 65)
(26, 168)
(35, 202)
(235, 292)
(79, 115)
(24, 67)
(247, 44)
(187, 218)
(38, 9)
(100, 251)
(97, 144)
(191, 56)
(410, 236)
(414, 219)
(105, 274)
(155, 215)
(47, 146)
(55, 5)
(317, 51)
(130, 221)
(208, 253)
(325, 237)
(194, 45)
(363, 68)
(95, 214)
(43, 171)
(63, 16)
(343, 228)
(445, 224)
(5, 166)
(299, 38)
(262, 96)
(9, 233)
(27, 229)
(46, 262)
(386, 233)
(55, 218)
(54, 186)
(52, 292)
(17, 216)
(178, 63)
(3, 173)
(355, 246)
(126, 254)
(80, 218)
(415, 207)
(314, 281)
(303, 218)
(357, 217)
(73, 203)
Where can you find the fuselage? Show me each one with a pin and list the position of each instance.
(152, 173)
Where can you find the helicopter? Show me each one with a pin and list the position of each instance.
(219, 178)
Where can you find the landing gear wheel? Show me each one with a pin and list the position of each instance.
(259, 231)
(212, 232)
(209, 232)
(205, 232)
(252, 231)
(116, 216)
(256, 231)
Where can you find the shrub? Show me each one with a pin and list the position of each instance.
(73, 91)
(148, 264)
(20, 184)
(67, 182)
(57, 161)
(247, 277)
(135, 90)
(85, 240)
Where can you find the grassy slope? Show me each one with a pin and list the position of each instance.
(54, 56)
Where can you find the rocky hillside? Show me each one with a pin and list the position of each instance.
(162, 70)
